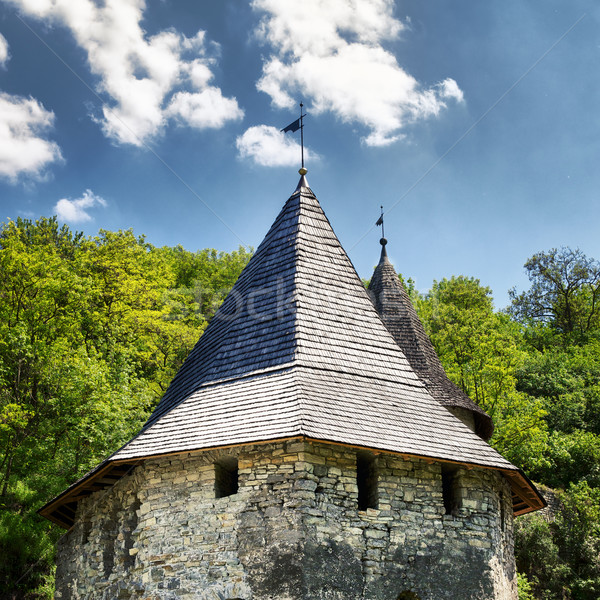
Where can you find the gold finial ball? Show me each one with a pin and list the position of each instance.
(303, 171)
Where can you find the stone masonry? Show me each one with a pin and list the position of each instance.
(292, 530)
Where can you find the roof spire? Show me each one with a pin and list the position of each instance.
(384, 256)
(303, 183)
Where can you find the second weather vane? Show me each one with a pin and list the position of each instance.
(380, 222)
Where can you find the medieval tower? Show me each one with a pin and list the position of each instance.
(310, 447)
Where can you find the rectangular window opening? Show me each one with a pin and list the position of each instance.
(448, 490)
(226, 477)
(366, 480)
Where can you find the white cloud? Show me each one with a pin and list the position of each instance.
(4, 54)
(332, 52)
(75, 211)
(449, 89)
(23, 149)
(142, 75)
(205, 109)
(270, 147)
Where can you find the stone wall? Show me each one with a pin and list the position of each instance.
(292, 531)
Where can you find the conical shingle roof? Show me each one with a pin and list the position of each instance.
(296, 350)
(400, 317)
(298, 302)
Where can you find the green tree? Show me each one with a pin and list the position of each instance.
(566, 379)
(564, 293)
(39, 293)
(561, 556)
(538, 556)
(92, 331)
(568, 382)
(203, 279)
(577, 532)
(569, 458)
(481, 352)
(525, 587)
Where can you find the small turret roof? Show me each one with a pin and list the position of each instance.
(400, 317)
(297, 349)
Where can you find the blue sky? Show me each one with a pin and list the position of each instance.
(475, 124)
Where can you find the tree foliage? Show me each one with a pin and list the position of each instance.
(92, 330)
(561, 556)
(480, 350)
(564, 293)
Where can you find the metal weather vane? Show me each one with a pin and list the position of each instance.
(380, 222)
(293, 127)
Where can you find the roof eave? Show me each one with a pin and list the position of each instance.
(60, 510)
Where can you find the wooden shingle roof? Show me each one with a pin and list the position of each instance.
(299, 300)
(297, 349)
(400, 317)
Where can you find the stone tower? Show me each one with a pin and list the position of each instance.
(298, 454)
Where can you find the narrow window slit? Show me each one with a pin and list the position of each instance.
(366, 480)
(448, 490)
